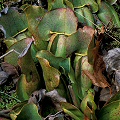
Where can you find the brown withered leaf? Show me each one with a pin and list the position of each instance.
(95, 81)
(91, 32)
(105, 93)
(9, 69)
(99, 68)
(98, 43)
(39, 98)
(99, 65)
(3, 77)
(97, 77)
(36, 97)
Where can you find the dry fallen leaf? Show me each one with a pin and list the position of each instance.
(97, 77)
(94, 80)
(99, 65)
(105, 93)
(112, 62)
(99, 68)
(39, 98)
(9, 69)
(3, 77)
(36, 97)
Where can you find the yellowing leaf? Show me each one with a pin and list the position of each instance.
(50, 74)
(34, 15)
(55, 4)
(29, 112)
(30, 81)
(73, 111)
(22, 88)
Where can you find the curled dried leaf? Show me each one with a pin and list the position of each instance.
(112, 62)
(45, 99)
(9, 69)
(99, 66)
(96, 80)
(3, 77)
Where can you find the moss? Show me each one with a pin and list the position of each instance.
(7, 99)
(7, 102)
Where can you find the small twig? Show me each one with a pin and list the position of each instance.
(5, 113)
(89, 20)
(112, 37)
(9, 53)
(55, 115)
(10, 96)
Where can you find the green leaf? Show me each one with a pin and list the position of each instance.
(55, 4)
(10, 41)
(90, 52)
(79, 13)
(51, 75)
(81, 3)
(23, 35)
(34, 14)
(54, 61)
(19, 46)
(17, 109)
(57, 45)
(63, 88)
(115, 97)
(60, 48)
(73, 111)
(85, 16)
(16, 24)
(89, 18)
(93, 5)
(51, 42)
(112, 1)
(110, 111)
(88, 102)
(69, 4)
(22, 88)
(33, 53)
(76, 3)
(31, 80)
(74, 88)
(108, 14)
(60, 21)
(78, 41)
(83, 82)
(29, 112)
